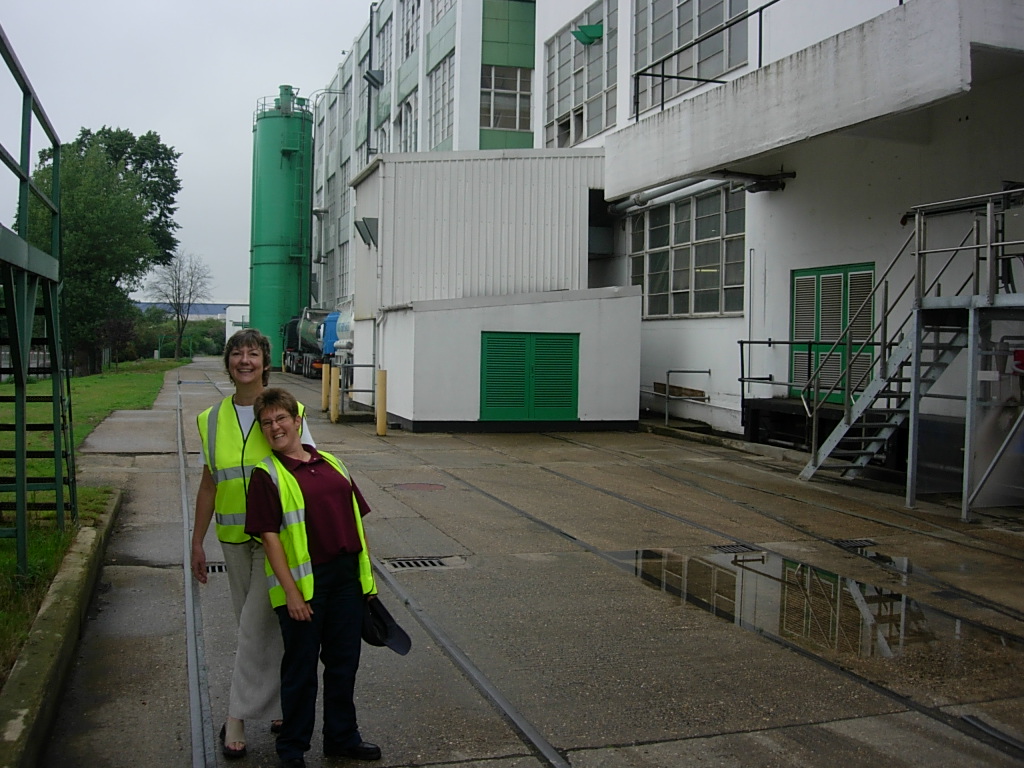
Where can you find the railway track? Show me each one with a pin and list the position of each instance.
(703, 476)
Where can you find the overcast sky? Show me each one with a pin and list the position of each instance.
(191, 70)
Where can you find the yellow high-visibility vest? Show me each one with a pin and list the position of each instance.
(231, 457)
(293, 533)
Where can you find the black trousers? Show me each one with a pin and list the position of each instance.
(334, 636)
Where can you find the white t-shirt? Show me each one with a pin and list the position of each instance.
(246, 418)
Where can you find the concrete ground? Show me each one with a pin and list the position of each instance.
(575, 599)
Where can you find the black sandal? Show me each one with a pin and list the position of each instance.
(228, 751)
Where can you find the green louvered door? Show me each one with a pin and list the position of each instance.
(824, 301)
(529, 376)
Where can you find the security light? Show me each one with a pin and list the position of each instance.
(375, 77)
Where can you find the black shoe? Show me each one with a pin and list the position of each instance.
(295, 762)
(228, 752)
(361, 751)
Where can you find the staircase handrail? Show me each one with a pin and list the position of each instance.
(845, 336)
(811, 412)
(899, 329)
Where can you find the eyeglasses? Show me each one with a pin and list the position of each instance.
(265, 423)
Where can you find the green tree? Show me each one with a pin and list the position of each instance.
(155, 165)
(150, 330)
(208, 335)
(180, 283)
(107, 244)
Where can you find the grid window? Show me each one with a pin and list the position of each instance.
(384, 46)
(328, 222)
(344, 270)
(346, 106)
(330, 281)
(407, 125)
(580, 79)
(332, 121)
(663, 26)
(688, 256)
(409, 32)
(505, 98)
(344, 201)
(441, 81)
(439, 8)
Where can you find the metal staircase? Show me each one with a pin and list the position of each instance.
(37, 471)
(883, 406)
(890, 621)
(882, 376)
(42, 456)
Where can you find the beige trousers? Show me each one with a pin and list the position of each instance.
(256, 679)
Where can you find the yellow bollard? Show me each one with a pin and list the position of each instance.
(334, 395)
(382, 403)
(325, 382)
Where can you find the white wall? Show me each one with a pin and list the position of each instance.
(910, 57)
(704, 344)
(788, 27)
(552, 16)
(848, 197)
(498, 222)
(468, 50)
(364, 259)
(792, 25)
(362, 353)
(844, 207)
(396, 354)
(432, 351)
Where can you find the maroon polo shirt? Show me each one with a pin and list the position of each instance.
(330, 524)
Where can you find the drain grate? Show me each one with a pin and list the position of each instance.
(422, 563)
(854, 543)
(216, 568)
(731, 549)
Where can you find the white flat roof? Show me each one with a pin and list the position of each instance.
(913, 56)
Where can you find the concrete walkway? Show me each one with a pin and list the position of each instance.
(577, 599)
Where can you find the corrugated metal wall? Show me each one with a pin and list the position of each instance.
(457, 225)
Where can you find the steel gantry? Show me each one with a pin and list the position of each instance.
(37, 473)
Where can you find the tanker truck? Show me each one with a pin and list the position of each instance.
(303, 350)
(316, 338)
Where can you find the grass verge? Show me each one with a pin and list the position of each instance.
(134, 386)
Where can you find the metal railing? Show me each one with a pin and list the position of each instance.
(31, 274)
(669, 397)
(828, 381)
(721, 29)
(348, 369)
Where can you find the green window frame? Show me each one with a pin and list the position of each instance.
(529, 376)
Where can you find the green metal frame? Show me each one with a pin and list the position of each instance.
(31, 287)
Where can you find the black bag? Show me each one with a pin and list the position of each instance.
(380, 628)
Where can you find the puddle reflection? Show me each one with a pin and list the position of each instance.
(807, 606)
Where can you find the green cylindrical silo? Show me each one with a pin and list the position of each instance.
(280, 252)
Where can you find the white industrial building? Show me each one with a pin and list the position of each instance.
(475, 293)
(789, 174)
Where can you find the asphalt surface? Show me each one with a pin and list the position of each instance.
(568, 607)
